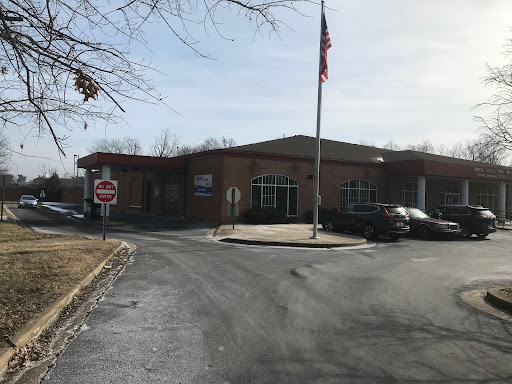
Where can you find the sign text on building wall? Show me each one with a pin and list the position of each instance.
(493, 173)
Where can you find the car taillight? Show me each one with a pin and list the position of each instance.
(483, 217)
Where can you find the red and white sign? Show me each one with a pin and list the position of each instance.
(105, 191)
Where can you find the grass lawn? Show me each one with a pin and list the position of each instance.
(36, 269)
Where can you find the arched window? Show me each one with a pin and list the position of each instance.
(450, 194)
(358, 191)
(488, 198)
(275, 192)
(408, 194)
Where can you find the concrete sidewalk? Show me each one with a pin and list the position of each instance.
(290, 235)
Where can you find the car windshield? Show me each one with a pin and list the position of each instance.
(27, 197)
(415, 213)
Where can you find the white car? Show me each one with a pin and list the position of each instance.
(27, 201)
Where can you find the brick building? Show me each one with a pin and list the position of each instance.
(278, 174)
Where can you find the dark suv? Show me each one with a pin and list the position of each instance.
(473, 219)
(372, 219)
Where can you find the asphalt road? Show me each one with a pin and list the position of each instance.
(190, 310)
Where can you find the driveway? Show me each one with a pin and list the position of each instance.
(191, 310)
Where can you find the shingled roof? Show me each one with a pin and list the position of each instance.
(304, 146)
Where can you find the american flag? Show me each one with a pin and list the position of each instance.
(325, 44)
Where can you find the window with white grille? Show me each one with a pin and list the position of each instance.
(275, 192)
(358, 191)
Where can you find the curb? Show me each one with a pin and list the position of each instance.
(285, 244)
(496, 298)
(112, 224)
(34, 327)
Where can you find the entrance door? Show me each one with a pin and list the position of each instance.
(147, 206)
(451, 198)
(450, 195)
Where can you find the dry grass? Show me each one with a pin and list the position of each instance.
(36, 269)
(12, 232)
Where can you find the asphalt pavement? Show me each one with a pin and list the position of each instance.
(189, 309)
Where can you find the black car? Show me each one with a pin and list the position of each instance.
(473, 219)
(423, 225)
(370, 219)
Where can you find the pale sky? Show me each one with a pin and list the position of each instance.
(398, 70)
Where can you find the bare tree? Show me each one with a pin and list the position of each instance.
(133, 146)
(497, 126)
(5, 154)
(485, 151)
(482, 150)
(392, 145)
(47, 170)
(209, 144)
(52, 51)
(125, 145)
(114, 145)
(442, 150)
(227, 142)
(165, 145)
(365, 143)
(185, 149)
(425, 146)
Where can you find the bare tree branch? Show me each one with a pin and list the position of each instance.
(497, 125)
(126, 145)
(44, 45)
(165, 145)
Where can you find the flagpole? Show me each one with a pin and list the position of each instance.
(316, 183)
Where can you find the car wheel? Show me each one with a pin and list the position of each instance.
(394, 236)
(328, 226)
(482, 235)
(423, 231)
(369, 232)
(465, 232)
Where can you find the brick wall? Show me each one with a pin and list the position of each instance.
(143, 191)
(332, 175)
(239, 171)
(205, 207)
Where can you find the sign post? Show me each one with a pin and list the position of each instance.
(233, 196)
(105, 192)
(233, 206)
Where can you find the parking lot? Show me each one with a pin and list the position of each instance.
(189, 309)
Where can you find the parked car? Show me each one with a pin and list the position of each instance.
(423, 225)
(370, 219)
(473, 219)
(27, 201)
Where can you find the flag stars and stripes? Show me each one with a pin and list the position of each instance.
(325, 44)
